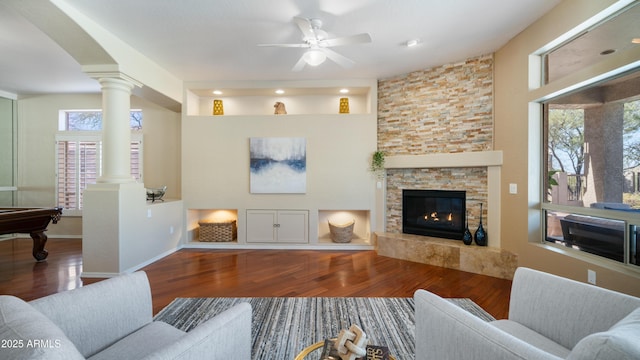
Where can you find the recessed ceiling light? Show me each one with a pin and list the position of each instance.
(412, 42)
(344, 91)
(217, 92)
(635, 40)
(279, 91)
(608, 51)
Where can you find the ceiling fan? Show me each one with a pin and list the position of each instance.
(318, 43)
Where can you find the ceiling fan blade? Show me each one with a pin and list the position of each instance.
(339, 59)
(285, 45)
(305, 27)
(299, 65)
(347, 40)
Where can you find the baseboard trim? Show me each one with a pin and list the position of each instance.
(151, 261)
(100, 275)
(281, 246)
(88, 274)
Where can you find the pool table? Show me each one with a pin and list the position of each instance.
(33, 221)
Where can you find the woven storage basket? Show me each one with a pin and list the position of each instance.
(341, 233)
(218, 231)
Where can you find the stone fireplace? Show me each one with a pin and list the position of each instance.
(456, 172)
(438, 213)
(436, 129)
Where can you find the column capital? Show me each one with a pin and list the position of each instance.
(103, 72)
(110, 83)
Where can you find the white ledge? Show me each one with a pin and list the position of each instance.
(445, 160)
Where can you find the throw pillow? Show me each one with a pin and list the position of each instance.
(619, 342)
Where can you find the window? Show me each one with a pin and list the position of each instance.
(593, 163)
(91, 120)
(78, 165)
(78, 154)
(591, 146)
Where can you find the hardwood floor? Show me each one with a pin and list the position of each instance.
(253, 273)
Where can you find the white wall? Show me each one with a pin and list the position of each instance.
(123, 232)
(215, 163)
(215, 150)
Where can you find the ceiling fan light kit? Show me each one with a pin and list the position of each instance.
(314, 57)
(318, 43)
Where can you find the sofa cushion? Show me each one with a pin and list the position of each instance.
(619, 342)
(141, 343)
(531, 337)
(25, 333)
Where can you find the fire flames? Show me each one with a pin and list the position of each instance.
(436, 218)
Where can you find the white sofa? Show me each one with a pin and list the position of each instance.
(549, 318)
(113, 319)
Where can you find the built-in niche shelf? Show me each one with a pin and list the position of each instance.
(215, 160)
(361, 228)
(299, 98)
(317, 231)
(194, 216)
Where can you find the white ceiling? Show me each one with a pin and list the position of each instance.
(209, 40)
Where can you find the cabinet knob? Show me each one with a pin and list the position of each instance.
(276, 225)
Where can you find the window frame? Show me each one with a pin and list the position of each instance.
(631, 219)
(541, 92)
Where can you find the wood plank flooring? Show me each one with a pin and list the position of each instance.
(253, 273)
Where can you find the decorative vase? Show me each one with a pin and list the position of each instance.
(481, 235)
(344, 105)
(217, 107)
(467, 238)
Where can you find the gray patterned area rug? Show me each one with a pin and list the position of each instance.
(284, 326)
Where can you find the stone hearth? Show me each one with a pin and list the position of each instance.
(448, 253)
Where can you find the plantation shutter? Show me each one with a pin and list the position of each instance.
(78, 166)
(67, 184)
(136, 160)
(89, 166)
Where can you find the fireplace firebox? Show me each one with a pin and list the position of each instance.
(437, 213)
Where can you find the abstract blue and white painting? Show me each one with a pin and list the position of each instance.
(278, 165)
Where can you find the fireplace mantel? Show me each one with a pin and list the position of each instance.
(490, 159)
(445, 160)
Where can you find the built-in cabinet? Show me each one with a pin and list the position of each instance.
(278, 226)
(216, 167)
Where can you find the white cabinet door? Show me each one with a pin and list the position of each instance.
(293, 226)
(261, 226)
(278, 226)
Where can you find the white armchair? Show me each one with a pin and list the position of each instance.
(549, 318)
(113, 319)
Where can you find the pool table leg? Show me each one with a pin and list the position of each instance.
(39, 240)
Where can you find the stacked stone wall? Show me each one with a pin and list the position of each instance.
(446, 109)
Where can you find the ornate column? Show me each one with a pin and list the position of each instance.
(114, 207)
(116, 138)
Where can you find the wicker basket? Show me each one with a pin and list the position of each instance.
(341, 233)
(218, 231)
